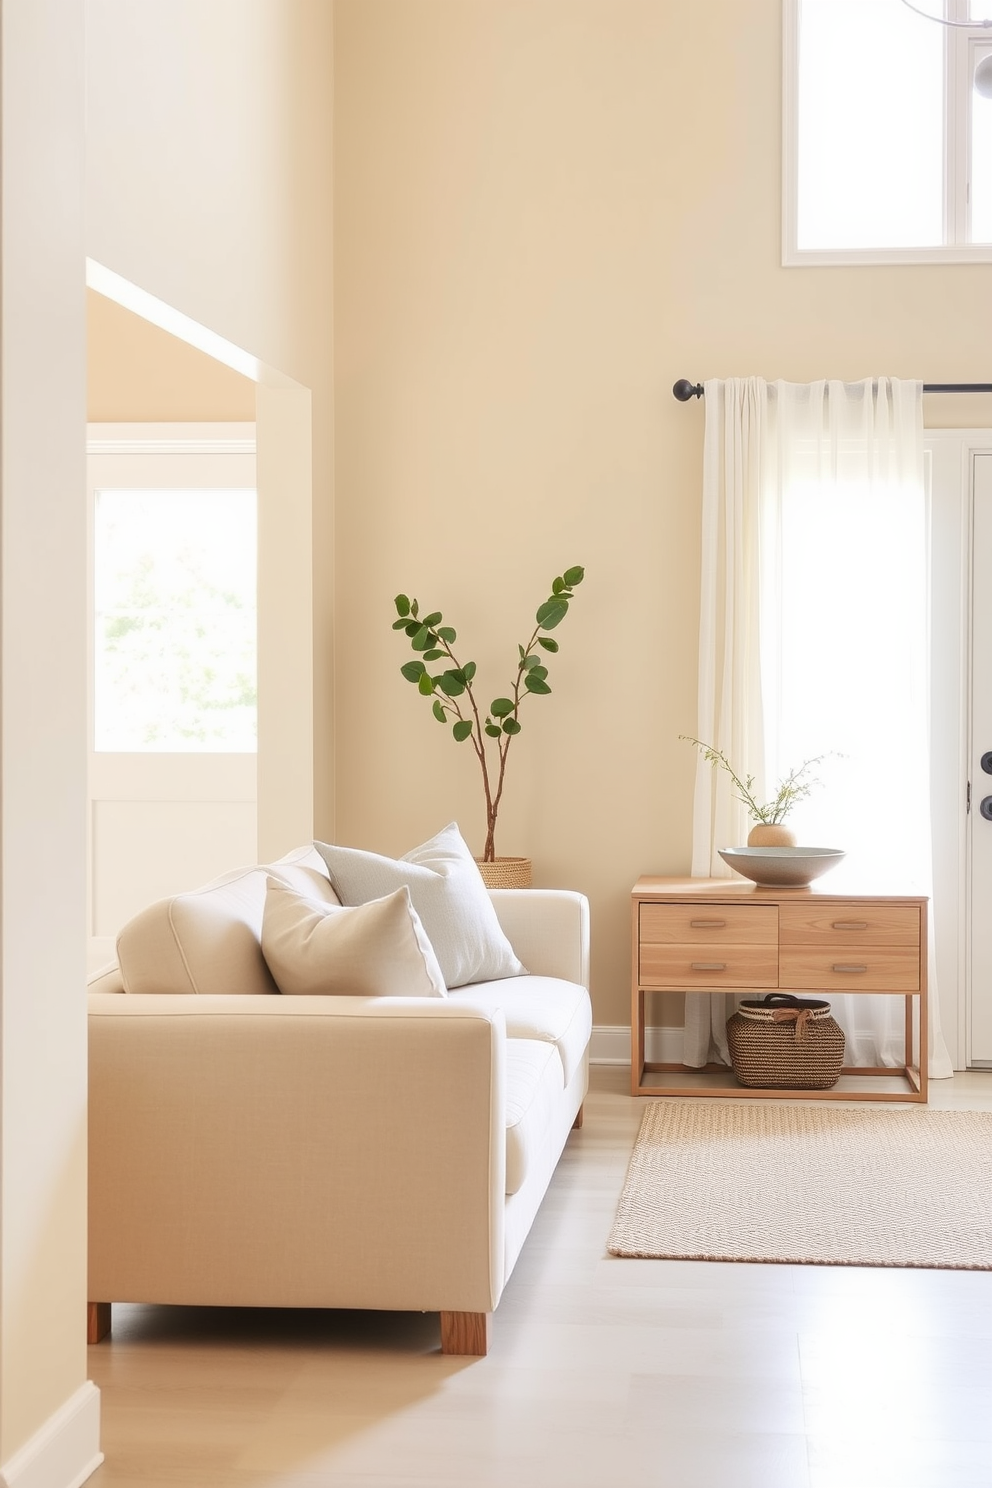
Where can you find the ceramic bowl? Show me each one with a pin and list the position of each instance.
(781, 867)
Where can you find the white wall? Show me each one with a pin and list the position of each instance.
(49, 1416)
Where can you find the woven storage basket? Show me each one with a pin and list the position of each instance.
(506, 873)
(786, 1043)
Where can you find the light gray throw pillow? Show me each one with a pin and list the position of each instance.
(448, 894)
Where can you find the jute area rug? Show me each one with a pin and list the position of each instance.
(809, 1185)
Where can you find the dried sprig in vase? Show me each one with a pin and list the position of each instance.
(769, 828)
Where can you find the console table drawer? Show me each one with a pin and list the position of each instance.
(849, 924)
(708, 965)
(696, 924)
(850, 968)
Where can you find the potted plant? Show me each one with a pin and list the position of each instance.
(491, 730)
(769, 828)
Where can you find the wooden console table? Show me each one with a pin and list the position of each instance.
(729, 935)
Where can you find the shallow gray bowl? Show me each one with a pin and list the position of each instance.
(781, 867)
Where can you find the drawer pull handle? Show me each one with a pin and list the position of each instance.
(708, 965)
(849, 925)
(847, 966)
(707, 924)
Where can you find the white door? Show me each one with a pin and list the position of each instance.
(173, 668)
(980, 769)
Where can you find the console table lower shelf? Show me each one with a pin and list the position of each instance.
(720, 935)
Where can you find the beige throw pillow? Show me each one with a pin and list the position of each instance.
(448, 894)
(377, 949)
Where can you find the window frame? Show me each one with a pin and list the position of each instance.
(957, 152)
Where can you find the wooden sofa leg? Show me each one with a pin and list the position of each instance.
(97, 1321)
(465, 1333)
(579, 1117)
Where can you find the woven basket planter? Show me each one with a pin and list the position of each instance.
(506, 873)
(786, 1043)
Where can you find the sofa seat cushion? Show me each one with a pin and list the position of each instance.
(534, 1086)
(208, 940)
(538, 1007)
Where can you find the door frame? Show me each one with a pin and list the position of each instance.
(132, 454)
(951, 455)
(283, 480)
(979, 1057)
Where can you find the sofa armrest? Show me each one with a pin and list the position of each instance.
(296, 1151)
(548, 929)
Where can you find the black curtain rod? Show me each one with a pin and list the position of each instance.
(684, 389)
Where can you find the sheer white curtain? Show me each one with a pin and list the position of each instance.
(730, 715)
(814, 640)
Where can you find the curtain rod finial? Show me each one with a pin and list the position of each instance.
(684, 390)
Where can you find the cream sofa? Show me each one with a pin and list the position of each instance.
(252, 1149)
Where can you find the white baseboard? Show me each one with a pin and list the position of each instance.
(65, 1451)
(611, 1045)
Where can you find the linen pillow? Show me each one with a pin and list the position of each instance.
(377, 949)
(448, 894)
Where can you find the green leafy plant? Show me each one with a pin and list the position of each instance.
(452, 688)
(795, 787)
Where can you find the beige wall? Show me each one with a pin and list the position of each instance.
(209, 185)
(547, 212)
(137, 373)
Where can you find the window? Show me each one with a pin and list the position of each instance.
(887, 140)
(174, 621)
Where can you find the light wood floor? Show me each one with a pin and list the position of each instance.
(602, 1372)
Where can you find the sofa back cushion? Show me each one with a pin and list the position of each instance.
(209, 940)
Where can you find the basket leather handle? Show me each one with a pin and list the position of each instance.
(797, 1015)
(786, 1007)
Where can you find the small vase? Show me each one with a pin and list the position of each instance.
(771, 834)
